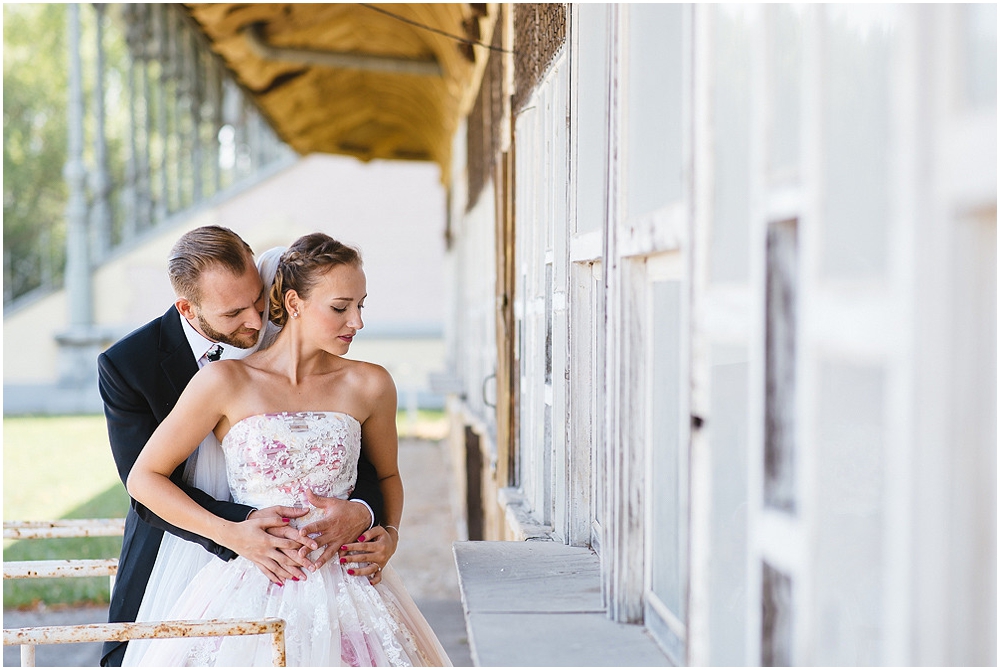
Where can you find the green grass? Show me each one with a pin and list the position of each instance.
(59, 468)
(71, 590)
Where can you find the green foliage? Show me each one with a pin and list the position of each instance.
(35, 103)
(34, 141)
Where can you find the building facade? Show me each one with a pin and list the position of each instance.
(724, 310)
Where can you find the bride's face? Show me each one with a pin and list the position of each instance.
(331, 316)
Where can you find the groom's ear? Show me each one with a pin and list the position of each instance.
(185, 307)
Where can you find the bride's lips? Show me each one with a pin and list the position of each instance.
(346, 338)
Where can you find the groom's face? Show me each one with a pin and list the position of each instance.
(230, 307)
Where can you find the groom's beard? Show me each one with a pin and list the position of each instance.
(244, 338)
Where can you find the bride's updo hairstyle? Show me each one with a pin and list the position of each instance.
(302, 265)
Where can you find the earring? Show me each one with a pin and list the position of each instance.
(295, 315)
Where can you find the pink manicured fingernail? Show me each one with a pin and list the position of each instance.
(343, 560)
(361, 539)
(295, 579)
(344, 548)
(350, 572)
(284, 519)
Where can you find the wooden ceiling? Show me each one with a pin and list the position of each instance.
(336, 78)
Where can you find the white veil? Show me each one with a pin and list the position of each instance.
(267, 266)
(178, 560)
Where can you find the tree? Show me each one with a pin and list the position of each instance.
(34, 145)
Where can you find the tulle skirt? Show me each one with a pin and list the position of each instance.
(332, 619)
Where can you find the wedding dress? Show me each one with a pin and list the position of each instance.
(332, 618)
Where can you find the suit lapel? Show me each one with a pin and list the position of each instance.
(176, 359)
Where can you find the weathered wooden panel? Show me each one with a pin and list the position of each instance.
(728, 428)
(777, 617)
(780, 365)
(857, 118)
(653, 157)
(850, 500)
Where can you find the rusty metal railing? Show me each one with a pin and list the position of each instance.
(41, 530)
(79, 567)
(62, 528)
(29, 638)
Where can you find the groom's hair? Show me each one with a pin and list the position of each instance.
(201, 249)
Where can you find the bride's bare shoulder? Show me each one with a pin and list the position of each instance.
(371, 377)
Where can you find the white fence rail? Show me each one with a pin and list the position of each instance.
(29, 638)
(41, 530)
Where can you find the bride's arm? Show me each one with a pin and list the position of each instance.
(381, 446)
(196, 414)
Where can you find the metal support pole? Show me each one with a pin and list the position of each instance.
(181, 113)
(146, 161)
(100, 178)
(78, 291)
(130, 193)
(80, 343)
(163, 204)
(197, 93)
(215, 92)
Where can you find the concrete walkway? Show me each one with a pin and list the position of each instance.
(424, 561)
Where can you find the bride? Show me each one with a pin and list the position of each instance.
(292, 419)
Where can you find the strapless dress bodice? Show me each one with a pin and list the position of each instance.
(272, 459)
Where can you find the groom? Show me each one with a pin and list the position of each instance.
(217, 314)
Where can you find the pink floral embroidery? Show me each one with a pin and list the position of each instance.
(313, 450)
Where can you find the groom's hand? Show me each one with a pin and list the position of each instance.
(292, 546)
(343, 522)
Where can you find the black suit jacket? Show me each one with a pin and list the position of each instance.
(140, 379)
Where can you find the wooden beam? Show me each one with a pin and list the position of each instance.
(254, 35)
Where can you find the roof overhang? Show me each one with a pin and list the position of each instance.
(371, 81)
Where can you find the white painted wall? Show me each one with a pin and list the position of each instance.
(394, 211)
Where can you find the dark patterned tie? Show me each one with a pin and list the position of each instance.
(215, 353)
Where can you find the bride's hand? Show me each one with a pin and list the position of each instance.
(276, 557)
(298, 558)
(376, 549)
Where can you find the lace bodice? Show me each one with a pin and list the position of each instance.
(271, 459)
